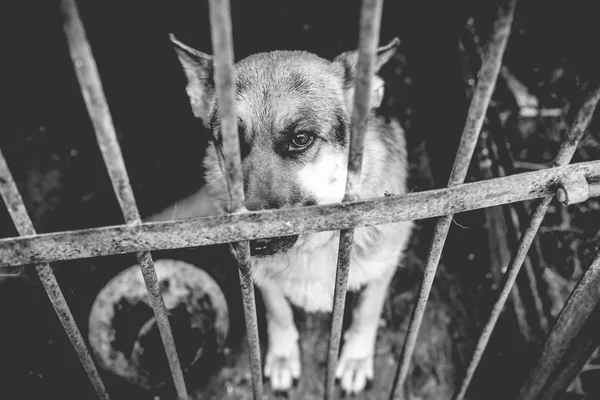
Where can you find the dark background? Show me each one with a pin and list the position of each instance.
(47, 137)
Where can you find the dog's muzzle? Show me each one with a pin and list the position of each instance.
(271, 246)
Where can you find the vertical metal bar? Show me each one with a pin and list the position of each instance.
(565, 153)
(581, 303)
(482, 95)
(370, 22)
(16, 208)
(222, 42)
(97, 106)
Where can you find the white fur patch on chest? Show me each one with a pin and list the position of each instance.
(306, 273)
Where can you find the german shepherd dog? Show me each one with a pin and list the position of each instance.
(294, 113)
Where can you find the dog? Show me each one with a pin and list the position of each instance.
(294, 110)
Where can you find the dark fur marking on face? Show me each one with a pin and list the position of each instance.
(210, 75)
(340, 129)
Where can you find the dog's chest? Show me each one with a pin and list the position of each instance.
(306, 274)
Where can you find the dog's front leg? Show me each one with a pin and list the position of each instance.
(356, 363)
(282, 364)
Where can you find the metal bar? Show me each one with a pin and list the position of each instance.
(587, 341)
(97, 106)
(582, 302)
(222, 42)
(18, 213)
(482, 95)
(120, 239)
(370, 22)
(565, 153)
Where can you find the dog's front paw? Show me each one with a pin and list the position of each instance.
(355, 366)
(282, 366)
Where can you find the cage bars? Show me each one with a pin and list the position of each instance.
(370, 21)
(97, 106)
(565, 153)
(570, 341)
(16, 208)
(222, 42)
(204, 231)
(486, 82)
(581, 304)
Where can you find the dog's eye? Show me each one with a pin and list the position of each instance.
(301, 140)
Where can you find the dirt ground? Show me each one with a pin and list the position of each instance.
(48, 141)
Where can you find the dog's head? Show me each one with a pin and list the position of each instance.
(294, 113)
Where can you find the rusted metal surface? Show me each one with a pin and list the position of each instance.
(370, 22)
(18, 213)
(587, 341)
(486, 83)
(97, 106)
(93, 95)
(250, 317)
(162, 320)
(216, 229)
(582, 302)
(482, 95)
(339, 299)
(574, 189)
(565, 153)
(222, 41)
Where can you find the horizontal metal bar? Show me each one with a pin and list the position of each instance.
(97, 106)
(565, 153)
(217, 229)
(370, 22)
(486, 83)
(222, 42)
(16, 208)
(582, 302)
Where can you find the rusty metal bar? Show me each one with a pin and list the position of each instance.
(486, 82)
(120, 239)
(16, 208)
(565, 153)
(587, 341)
(222, 42)
(581, 304)
(370, 22)
(97, 106)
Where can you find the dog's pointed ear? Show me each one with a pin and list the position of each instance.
(199, 70)
(348, 61)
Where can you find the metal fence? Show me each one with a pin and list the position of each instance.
(568, 345)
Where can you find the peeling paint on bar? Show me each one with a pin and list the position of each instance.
(582, 302)
(97, 106)
(95, 242)
(370, 22)
(565, 153)
(18, 213)
(222, 42)
(482, 95)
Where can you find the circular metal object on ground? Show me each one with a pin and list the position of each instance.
(123, 332)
